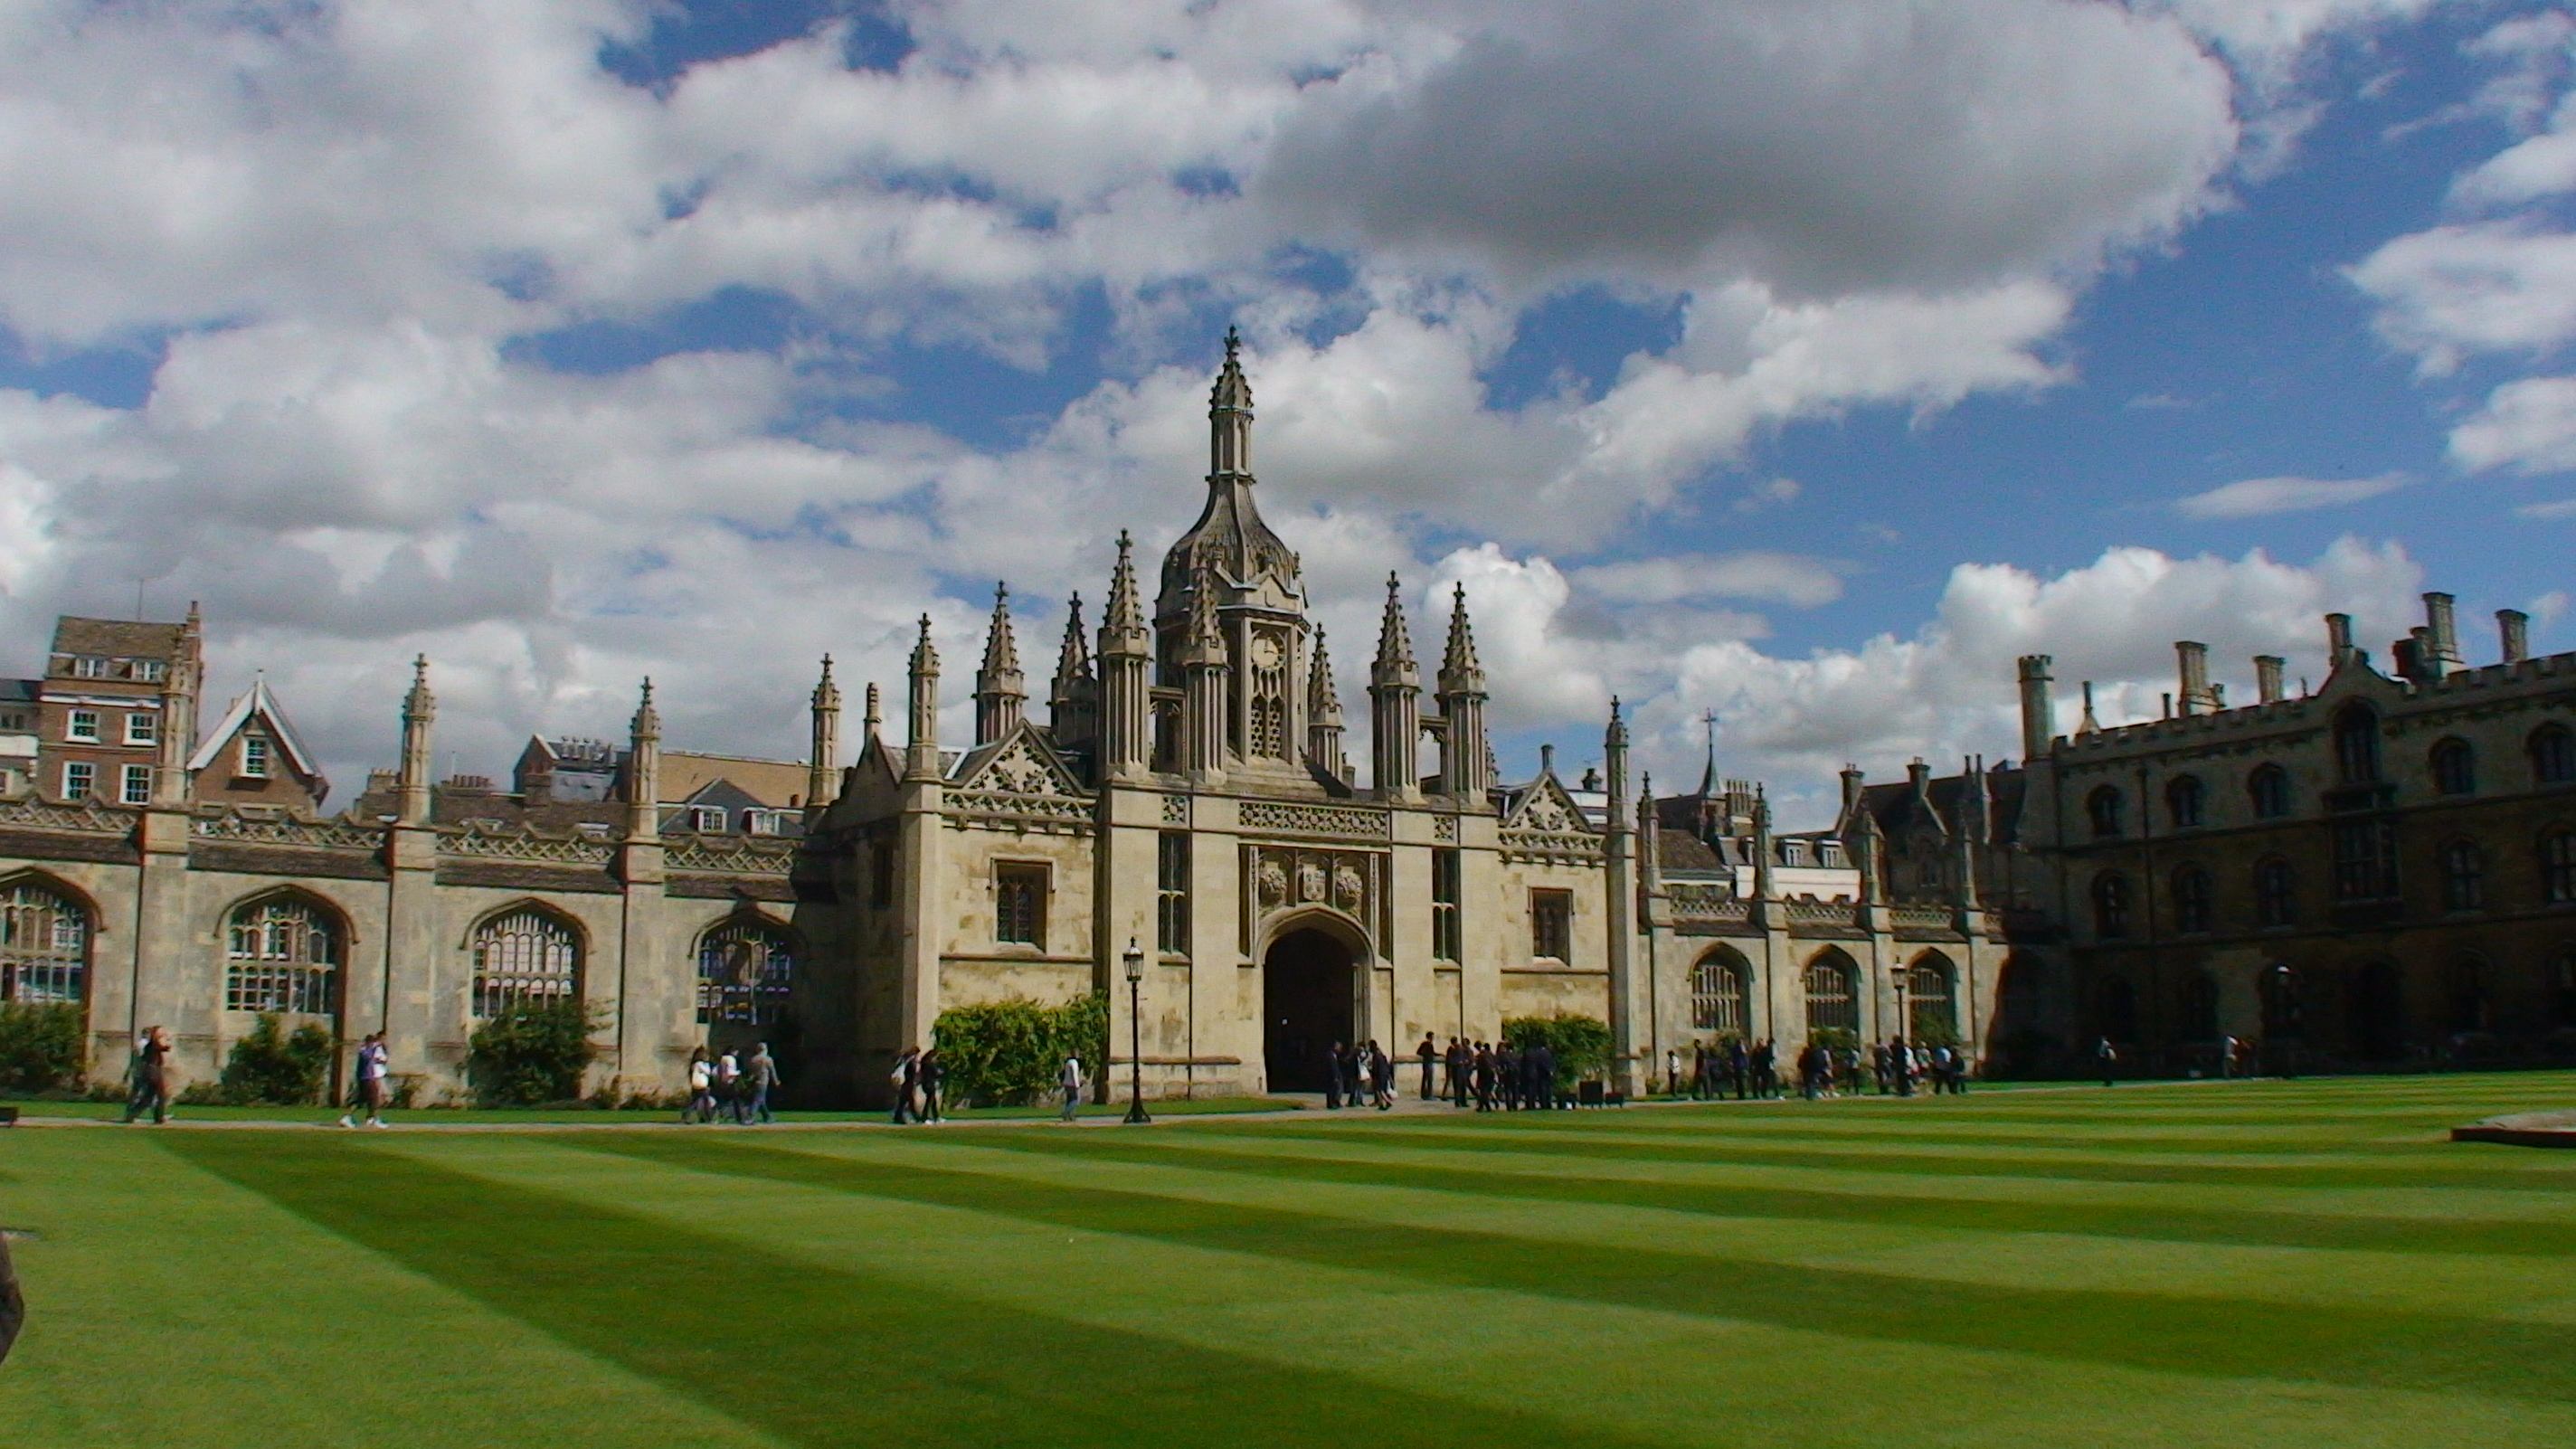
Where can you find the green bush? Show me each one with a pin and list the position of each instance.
(274, 1067)
(40, 1045)
(1835, 1038)
(1005, 1053)
(533, 1052)
(1581, 1044)
(1932, 1034)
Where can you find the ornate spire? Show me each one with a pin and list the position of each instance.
(1001, 650)
(1073, 661)
(875, 716)
(647, 724)
(925, 658)
(1708, 772)
(827, 695)
(419, 704)
(1323, 700)
(1125, 614)
(1394, 638)
(1460, 673)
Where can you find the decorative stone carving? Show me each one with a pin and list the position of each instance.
(1310, 880)
(1176, 810)
(1444, 828)
(1273, 879)
(1339, 821)
(1348, 888)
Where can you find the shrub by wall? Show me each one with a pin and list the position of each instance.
(1581, 1044)
(1005, 1053)
(40, 1046)
(275, 1067)
(532, 1052)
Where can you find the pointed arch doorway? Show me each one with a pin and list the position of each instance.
(1309, 1001)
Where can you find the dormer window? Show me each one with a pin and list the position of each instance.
(707, 819)
(150, 671)
(254, 758)
(88, 666)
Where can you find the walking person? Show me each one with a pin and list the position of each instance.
(702, 1077)
(1384, 1066)
(729, 1087)
(1900, 1066)
(1538, 1073)
(763, 1075)
(1068, 1080)
(1507, 1076)
(1333, 1078)
(1461, 1067)
(1483, 1072)
(930, 1072)
(1354, 1072)
(150, 1071)
(1739, 1067)
(369, 1088)
(1428, 1054)
(2107, 1057)
(904, 1079)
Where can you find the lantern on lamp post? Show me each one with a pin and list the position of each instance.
(1134, 960)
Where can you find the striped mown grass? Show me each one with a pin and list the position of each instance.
(2246, 1263)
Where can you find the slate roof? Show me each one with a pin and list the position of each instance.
(118, 638)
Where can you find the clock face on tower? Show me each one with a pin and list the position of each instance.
(1265, 652)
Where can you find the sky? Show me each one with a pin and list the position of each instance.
(1796, 364)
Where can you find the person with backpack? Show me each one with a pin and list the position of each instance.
(929, 1073)
(728, 1087)
(1068, 1079)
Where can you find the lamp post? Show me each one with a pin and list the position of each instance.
(1134, 959)
(1900, 1070)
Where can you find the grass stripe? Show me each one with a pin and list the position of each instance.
(794, 1349)
(2421, 1351)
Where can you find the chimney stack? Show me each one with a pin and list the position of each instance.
(2513, 627)
(2338, 640)
(2267, 678)
(2442, 631)
(2038, 720)
(2193, 657)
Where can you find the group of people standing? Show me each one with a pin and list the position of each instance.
(1895, 1068)
(1489, 1076)
(1360, 1075)
(727, 1088)
(1750, 1068)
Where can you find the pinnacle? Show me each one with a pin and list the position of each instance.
(1461, 659)
(1074, 660)
(1001, 650)
(1125, 614)
(1394, 640)
(1319, 682)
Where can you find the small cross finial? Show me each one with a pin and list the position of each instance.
(1233, 342)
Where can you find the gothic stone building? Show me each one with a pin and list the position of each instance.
(1188, 797)
(2382, 871)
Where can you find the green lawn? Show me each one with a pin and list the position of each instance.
(597, 1117)
(2243, 1264)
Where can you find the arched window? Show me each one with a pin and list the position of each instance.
(2558, 868)
(2553, 755)
(2197, 998)
(2102, 807)
(1831, 1003)
(2464, 992)
(2110, 905)
(745, 967)
(2191, 899)
(2455, 768)
(1721, 991)
(2276, 901)
(2184, 798)
(2119, 1009)
(2356, 742)
(525, 956)
(2267, 790)
(2464, 876)
(44, 946)
(1932, 1000)
(282, 953)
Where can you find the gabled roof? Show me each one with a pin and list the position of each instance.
(1545, 804)
(1022, 762)
(261, 703)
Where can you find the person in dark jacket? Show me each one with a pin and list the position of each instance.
(13, 1305)
(1462, 1063)
(931, 1071)
(1739, 1067)
(1333, 1068)
(1483, 1071)
(1538, 1076)
(1428, 1054)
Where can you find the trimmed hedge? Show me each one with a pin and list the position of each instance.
(1581, 1044)
(1005, 1053)
(40, 1045)
(273, 1067)
(533, 1052)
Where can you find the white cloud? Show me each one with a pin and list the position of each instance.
(2528, 426)
(2255, 497)
(1769, 577)
(2552, 512)
(2452, 291)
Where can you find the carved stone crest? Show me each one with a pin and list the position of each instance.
(1310, 880)
(1347, 888)
(1273, 878)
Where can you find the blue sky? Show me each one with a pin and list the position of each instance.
(1803, 364)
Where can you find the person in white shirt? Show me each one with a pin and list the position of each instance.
(374, 1059)
(1068, 1079)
